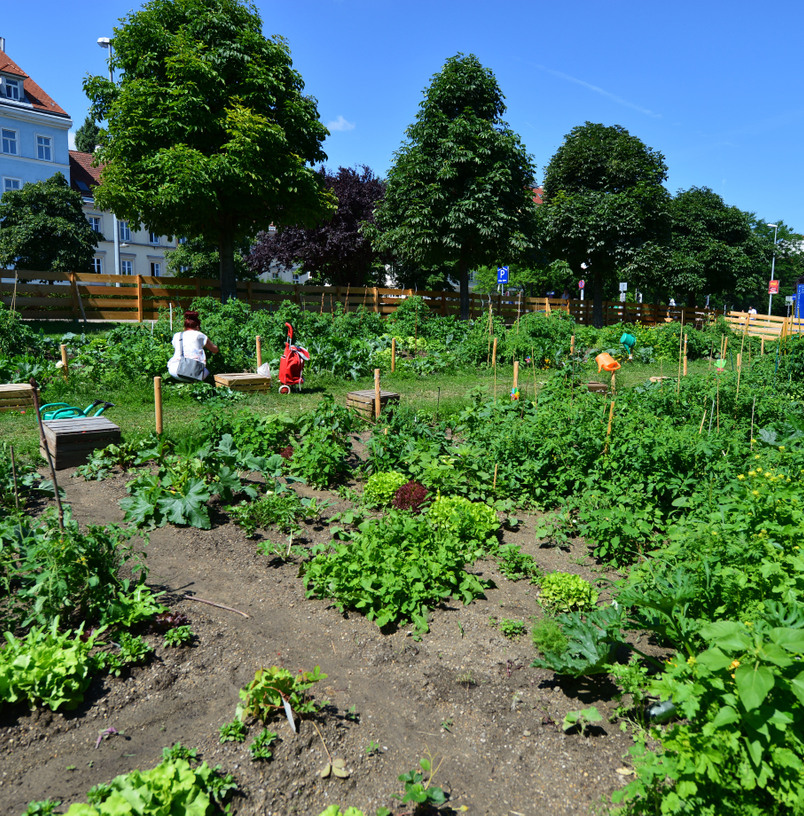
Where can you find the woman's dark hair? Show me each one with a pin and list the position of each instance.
(191, 321)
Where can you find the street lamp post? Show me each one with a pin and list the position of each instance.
(773, 266)
(105, 42)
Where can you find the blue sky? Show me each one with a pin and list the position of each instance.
(715, 85)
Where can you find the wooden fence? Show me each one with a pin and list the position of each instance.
(76, 296)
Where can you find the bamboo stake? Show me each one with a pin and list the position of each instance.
(14, 478)
(516, 373)
(377, 401)
(613, 383)
(321, 310)
(680, 354)
(43, 440)
(494, 483)
(608, 430)
(488, 355)
(703, 419)
(533, 364)
(762, 345)
(259, 351)
(64, 368)
(494, 355)
(393, 354)
(717, 393)
(685, 354)
(158, 403)
(572, 344)
(753, 406)
(346, 301)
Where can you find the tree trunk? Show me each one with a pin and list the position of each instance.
(597, 294)
(226, 250)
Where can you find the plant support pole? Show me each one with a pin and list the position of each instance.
(259, 351)
(64, 369)
(43, 439)
(377, 401)
(158, 404)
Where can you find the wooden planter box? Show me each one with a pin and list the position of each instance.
(363, 401)
(16, 396)
(72, 440)
(597, 387)
(243, 382)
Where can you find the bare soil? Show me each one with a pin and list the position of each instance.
(464, 694)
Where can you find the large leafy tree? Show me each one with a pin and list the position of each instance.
(209, 132)
(193, 258)
(43, 228)
(337, 251)
(604, 203)
(459, 192)
(788, 266)
(712, 250)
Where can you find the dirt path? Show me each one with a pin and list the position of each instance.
(464, 693)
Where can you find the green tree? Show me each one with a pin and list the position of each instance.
(789, 264)
(208, 132)
(194, 258)
(87, 136)
(603, 203)
(459, 192)
(43, 228)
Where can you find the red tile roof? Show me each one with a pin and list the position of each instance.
(81, 169)
(33, 93)
(538, 193)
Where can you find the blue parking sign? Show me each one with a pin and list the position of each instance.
(502, 274)
(799, 309)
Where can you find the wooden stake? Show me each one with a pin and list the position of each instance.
(516, 373)
(346, 301)
(393, 354)
(608, 430)
(494, 355)
(685, 354)
(259, 351)
(703, 418)
(64, 369)
(377, 402)
(572, 344)
(494, 483)
(43, 440)
(762, 346)
(613, 383)
(753, 406)
(321, 310)
(158, 403)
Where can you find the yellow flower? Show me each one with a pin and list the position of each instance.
(734, 665)
(752, 473)
(691, 660)
(781, 447)
(754, 492)
(741, 477)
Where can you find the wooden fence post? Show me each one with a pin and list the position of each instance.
(139, 298)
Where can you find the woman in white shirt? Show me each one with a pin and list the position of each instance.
(192, 342)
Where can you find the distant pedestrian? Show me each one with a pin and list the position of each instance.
(753, 312)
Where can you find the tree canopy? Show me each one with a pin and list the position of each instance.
(337, 251)
(460, 191)
(43, 228)
(713, 250)
(87, 136)
(208, 131)
(604, 202)
(193, 258)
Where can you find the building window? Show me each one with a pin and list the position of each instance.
(183, 239)
(9, 140)
(295, 277)
(95, 223)
(44, 148)
(274, 274)
(124, 230)
(126, 267)
(97, 266)
(12, 184)
(153, 237)
(11, 88)
(156, 268)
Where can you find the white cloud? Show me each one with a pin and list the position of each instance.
(340, 124)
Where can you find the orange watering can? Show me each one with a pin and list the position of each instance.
(605, 362)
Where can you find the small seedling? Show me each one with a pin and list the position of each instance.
(511, 629)
(180, 636)
(419, 785)
(466, 679)
(373, 748)
(352, 714)
(581, 719)
(234, 731)
(447, 724)
(260, 748)
(179, 751)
